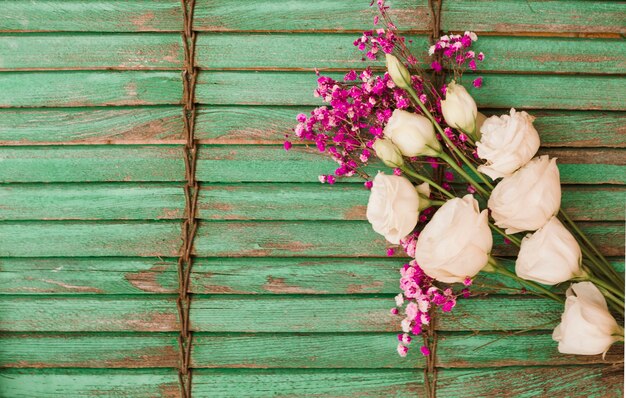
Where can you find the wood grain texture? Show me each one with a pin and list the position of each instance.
(498, 91)
(90, 51)
(89, 88)
(329, 238)
(240, 163)
(127, 383)
(250, 276)
(91, 16)
(74, 350)
(68, 239)
(271, 124)
(263, 314)
(258, 201)
(502, 16)
(336, 51)
(127, 125)
(584, 381)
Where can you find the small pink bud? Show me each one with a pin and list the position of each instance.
(425, 351)
(287, 145)
(394, 311)
(390, 251)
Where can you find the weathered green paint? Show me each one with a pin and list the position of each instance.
(221, 276)
(89, 88)
(336, 51)
(250, 125)
(498, 91)
(90, 51)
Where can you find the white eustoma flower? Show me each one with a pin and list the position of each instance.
(549, 256)
(413, 134)
(398, 72)
(529, 198)
(587, 327)
(459, 109)
(388, 152)
(507, 143)
(456, 243)
(394, 205)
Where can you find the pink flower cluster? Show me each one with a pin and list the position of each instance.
(456, 54)
(420, 296)
(360, 106)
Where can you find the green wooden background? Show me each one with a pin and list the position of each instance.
(292, 288)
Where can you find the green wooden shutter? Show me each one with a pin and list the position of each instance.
(291, 287)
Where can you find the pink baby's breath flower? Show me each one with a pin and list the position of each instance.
(405, 338)
(478, 82)
(390, 251)
(467, 281)
(394, 311)
(399, 299)
(425, 351)
(397, 171)
(436, 66)
(287, 145)
(368, 184)
(402, 350)
(471, 189)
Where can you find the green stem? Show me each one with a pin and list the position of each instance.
(618, 305)
(497, 268)
(463, 174)
(430, 182)
(513, 239)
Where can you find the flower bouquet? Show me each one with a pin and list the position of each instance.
(419, 120)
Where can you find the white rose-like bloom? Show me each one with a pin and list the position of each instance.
(459, 108)
(456, 243)
(549, 256)
(394, 205)
(586, 327)
(388, 152)
(413, 134)
(507, 143)
(529, 198)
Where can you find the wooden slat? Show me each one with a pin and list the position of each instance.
(91, 202)
(90, 51)
(67, 239)
(349, 201)
(136, 350)
(91, 125)
(583, 381)
(284, 350)
(272, 314)
(92, 163)
(91, 16)
(267, 124)
(336, 51)
(228, 239)
(340, 239)
(89, 88)
(348, 383)
(222, 276)
(241, 163)
(504, 16)
(498, 91)
(128, 383)
(250, 125)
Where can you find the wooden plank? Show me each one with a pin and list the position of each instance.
(90, 51)
(504, 16)
(139, 125)
(127, 383)
(250, 276)
(92, 164)
(340, 239)
(89, 88)
(242, 163)
(250, 125)
(92, 202)
(336, 51)
(550, 16)
(136, 350)
(348, 383)
(354, 350)
(349, 201)
(88, 314)
(91, 16)
(67, 239)
(271, 124)
(584, 381)
(498, 91)
(264, 314)
(338, 314)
